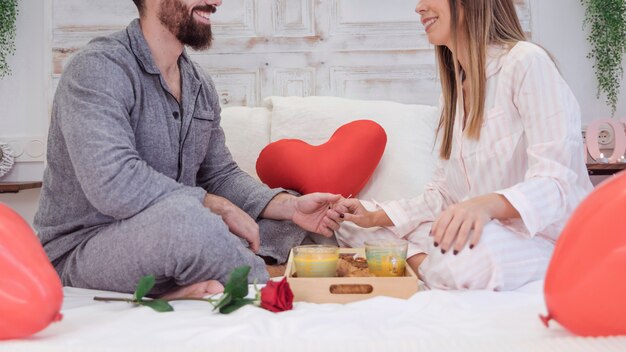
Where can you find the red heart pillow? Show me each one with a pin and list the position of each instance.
(343, 165)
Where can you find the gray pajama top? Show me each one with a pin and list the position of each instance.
(119, 142)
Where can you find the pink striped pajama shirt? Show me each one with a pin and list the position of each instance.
(530, 151)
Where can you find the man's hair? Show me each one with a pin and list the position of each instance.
(139, 4)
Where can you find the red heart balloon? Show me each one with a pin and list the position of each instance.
(30, 289)
(585, 284)
(343, 165)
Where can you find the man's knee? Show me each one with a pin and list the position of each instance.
(197, 245)
(185, 226)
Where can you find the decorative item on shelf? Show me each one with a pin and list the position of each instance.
(8, 17)
(593, 142)
(607, 19)
(621, 160)
(6, 159)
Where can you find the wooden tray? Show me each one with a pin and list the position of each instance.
(326, 289)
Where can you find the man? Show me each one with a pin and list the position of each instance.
(139, 180)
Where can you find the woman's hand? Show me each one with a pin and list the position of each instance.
(350, 209)
(464, 221)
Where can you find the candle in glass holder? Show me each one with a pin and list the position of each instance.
(316, 260)
(386, 257)
(602, 159)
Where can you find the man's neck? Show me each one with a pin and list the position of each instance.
(164, 46)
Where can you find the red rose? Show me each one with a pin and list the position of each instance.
(277, 296)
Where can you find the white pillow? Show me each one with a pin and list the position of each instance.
(247, 132)
(409, 158)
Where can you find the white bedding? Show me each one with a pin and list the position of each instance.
(429, 321)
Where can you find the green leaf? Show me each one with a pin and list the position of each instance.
(158, 305)
(8, 17)
(144, 286)
(237, 285)
(606, 20)
(235, 304)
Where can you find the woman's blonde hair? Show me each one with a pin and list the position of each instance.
(486, 22)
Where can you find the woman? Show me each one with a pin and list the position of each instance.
(511, 168)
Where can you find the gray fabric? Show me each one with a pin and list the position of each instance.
(177, 240)
(119, 144)
(278, 237)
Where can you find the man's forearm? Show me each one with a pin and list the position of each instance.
(281, 207)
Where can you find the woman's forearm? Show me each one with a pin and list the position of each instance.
(380, 218)
(499, 207)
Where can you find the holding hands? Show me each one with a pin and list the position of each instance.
(310, 213)
(451, 230)
(350, 209)
(307, 211)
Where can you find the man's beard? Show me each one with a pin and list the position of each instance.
(177, 18)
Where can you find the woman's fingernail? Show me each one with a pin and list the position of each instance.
(436, 244)
(471, 246)
(443, 251)
(455, 252)
(341, 216)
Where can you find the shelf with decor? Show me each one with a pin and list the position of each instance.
(596, 169)
(14, 187)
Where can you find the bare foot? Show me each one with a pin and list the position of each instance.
(198, 290)
(276, 270)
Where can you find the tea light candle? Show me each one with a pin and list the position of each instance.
(602, 159)
(621, 160)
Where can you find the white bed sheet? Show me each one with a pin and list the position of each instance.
(429, 321)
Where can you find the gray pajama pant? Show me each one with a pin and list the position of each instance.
(178, 241)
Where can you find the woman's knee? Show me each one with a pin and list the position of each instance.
(474, 268)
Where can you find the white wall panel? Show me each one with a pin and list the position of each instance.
(236, 87)
(236, 18)
(293, 18)
(364, 49)
(411, 84)
(294, 82)
(373, 17)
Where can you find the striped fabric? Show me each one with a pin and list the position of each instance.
(529, 151)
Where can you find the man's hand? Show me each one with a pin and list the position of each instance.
(310, 213)
(237, 220)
